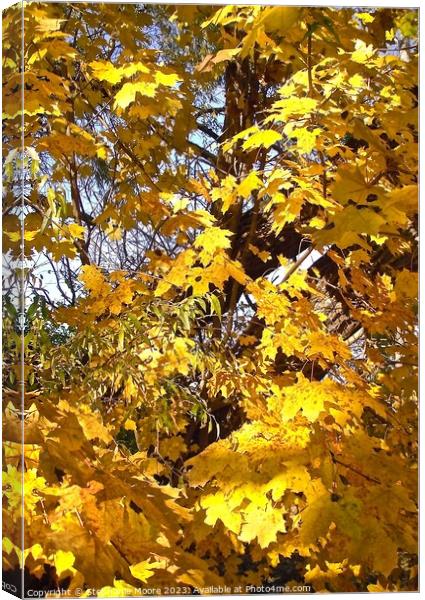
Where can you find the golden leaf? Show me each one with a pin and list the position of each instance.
(145, 569)
(262, 139)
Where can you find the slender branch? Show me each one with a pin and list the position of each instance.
(354, 469)
(297, 263)
(207, 131)
(309, 65)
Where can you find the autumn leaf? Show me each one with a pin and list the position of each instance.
(210, 241)
(106, 71)
(293, 106)
(262, 524)
(63, 562)
(127, 93)
(350, 184)
(261, 139)
(216, 509)
(249, 184)
(145, 569)
(306, 139)
(130, 425)
(363, 53)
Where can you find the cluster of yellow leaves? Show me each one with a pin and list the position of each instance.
(187, 273)
(102, 295)
(147, 83)
(80, 523)
(126, 478)
(286, 458)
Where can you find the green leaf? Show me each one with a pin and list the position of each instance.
(215, 304)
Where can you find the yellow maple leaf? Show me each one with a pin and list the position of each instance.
(365, 17)
(306, 139)
(210, 241)
(226, 193)
(178, 273)
(377, 587)
(349, 224)
(172, 447)
(247, 340)
(320, 343)
(249, 184)
(127, 93)
(294, 106)
(63, 561)
(217, 508)
(286, 208)
(134, 67)
(120, 589)
(295, 477)
(357, 81)
(106, 71)
(350, 184)
(145, 569)
(234, 269)
(262, 139)
(77, 231)
(362, 53)
(405, 197)
(407, 284)
(168, 79)
(130, 425)
(263, 524)
(279, 18)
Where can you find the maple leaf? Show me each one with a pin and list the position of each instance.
(365, 17)
(286, 208)
(295, 477)
(349, 224)
(263, 524)
(357, 81)
(249, 184)
(167, 79)
(306, 139)
(127, 93)
(279, 18)
(76, 231)
(145, 569)
(293, 106)
(406, 284)
(130, 425)
(209, 61)
(210, 241)
(63, 562)
(350, 184)
(217, 507)
(93, 279)
(261, 139)
(363, 53)
(106, 71)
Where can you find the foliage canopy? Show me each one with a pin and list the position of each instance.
(220, 333)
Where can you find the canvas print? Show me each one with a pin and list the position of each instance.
(210, 299)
